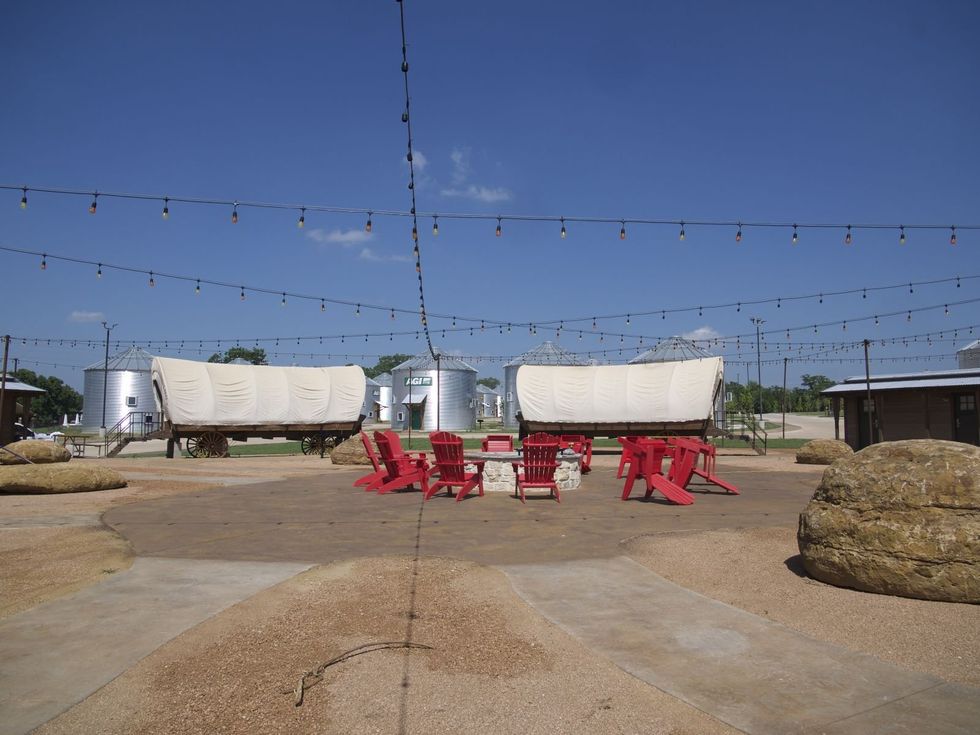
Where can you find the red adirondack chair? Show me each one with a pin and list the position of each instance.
(627, 456)
(450, 466)
(698, 449)
(647, 462)
(403, 470)
(539, 465)
(380, 474)
(498, 443)
(580, 444)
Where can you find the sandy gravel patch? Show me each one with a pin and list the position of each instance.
(40, 564)
(758, 570)
(495, 665)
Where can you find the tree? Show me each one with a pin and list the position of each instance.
(490, 383)
(815, 384)
(49, 408)
(385, 364)
(255, 355)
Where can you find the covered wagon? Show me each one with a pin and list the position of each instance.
(206, 404)
(656, 399)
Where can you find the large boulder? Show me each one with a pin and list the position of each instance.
(350, 451)
(899, 518)
(74, 478)
(36, 450)
(823, 451)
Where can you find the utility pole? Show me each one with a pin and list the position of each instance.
(105, 373)
(758, 356)
(785, 361)
(867, 381)
(3, 378)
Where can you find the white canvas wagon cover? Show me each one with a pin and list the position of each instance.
(662, 392)
(216, 394)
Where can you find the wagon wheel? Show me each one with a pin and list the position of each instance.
(317, 444)
(208, 444)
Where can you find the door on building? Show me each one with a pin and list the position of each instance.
(966, 428)
(865, 439)
(417, 409)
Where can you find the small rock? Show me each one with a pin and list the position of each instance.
(43, 479)
(823, 451)
(36, 450)
(350, 451)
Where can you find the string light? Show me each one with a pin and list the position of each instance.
(98, 273)
(415, 233)
(152, 282)
(738, 234)
(23, 199)
(952, 237)
(166, 209)
(681, 236)
(796, 237)
(947, 310)
(323, 308)
(563, 233)
(435, 226)
(367, 225)
(234, 214)
(301, 222)
(197, 288)
(95, 203)
(283, 302)
(901, 236)
(243, 293)
(357, 311)
(392, 314)
(847, 237)
(622, 231)
(44, 262)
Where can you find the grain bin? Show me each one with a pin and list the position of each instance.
(384, 397)
(128, 388)
(673, 349)
(969, 356)
(430, 395)
(546, 353)
(372, 397)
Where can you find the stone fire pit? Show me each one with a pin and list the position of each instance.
(499, 476)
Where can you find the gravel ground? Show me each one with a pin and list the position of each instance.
(40, 564)
(759, 570)
(495, 665)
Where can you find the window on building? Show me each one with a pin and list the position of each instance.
(510, 397)
(131, 401)
(401, 415)
(968, 403)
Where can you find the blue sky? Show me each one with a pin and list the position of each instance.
(837, 112)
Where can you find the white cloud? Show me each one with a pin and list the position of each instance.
(701, 333)
(340, 237)
(86, 317)
(461, 176)
(479, 193)
(369, 254)
(419, 159)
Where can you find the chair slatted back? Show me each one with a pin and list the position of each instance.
(540, 458)
(448, 449)
(498, 443)
(369, 450)
(388, 455)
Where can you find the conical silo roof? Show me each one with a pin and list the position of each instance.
(547, 353)
(135, 359)
(428, 362)
(672, 350)
(384, 380)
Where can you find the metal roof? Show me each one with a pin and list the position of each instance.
(384, 380)
(15, 386)
(908, 381)
(974, 345)
(428, 362)
(547, 353)
(135, 359)
(371, 383)
(484, 389)
(673, 349)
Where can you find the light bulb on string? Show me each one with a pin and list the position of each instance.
(357, 311)
(243, 293)
(301, 222)
(367, 225)
(738, 234)
(98, 273)
(952, 236)
(681, 236)
(323, 308)
(901, 234)
(197, 287)
(796, 236)
(95, 203)
(593, 324)
(498, 227)
(283, 302)
(627, 320)
(622, 231)
(23, 199)
(847, 237)
(392, 314)
(435, 226)
(166, 209)
(415, 233)
(152, 281)
(947, 310)
(44, 262)
(909, 317)
(563, 233)
(234, 214)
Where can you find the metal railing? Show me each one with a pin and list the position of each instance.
(134, 426)
(745, 427)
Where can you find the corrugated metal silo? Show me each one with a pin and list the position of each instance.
(128, 388)
(432, 396)
(372, 395)
(384, 398)
(546, 353)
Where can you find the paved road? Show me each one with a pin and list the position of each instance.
(808, 427)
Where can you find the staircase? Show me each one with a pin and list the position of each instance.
(134, 426)
(744, 427)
